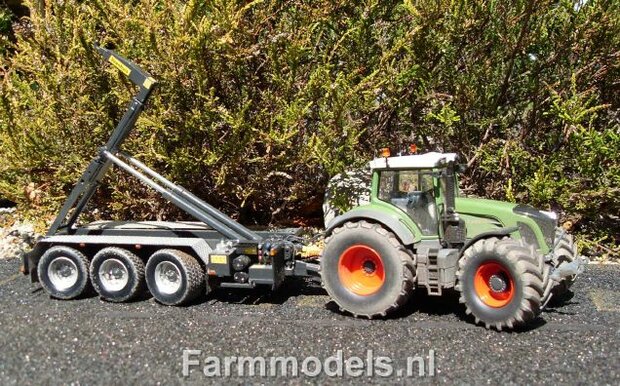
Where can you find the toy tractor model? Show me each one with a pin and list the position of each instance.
(505, 260)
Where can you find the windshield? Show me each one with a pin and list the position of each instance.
(413, 192)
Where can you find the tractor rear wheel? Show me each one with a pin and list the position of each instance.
(500, 282)
(366, 270)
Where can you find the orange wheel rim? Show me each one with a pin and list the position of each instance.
(361, 271)
(494, 284)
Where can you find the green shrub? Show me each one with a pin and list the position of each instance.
(6, 20)
(260, 102)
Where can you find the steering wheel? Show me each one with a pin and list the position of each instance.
(414, 199)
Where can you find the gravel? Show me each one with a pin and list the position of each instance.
(16, 239)
(89, 341)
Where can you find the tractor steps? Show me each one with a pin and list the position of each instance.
(436, 268)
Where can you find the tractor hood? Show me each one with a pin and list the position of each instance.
(546, 221)
(482, 215)
(488, 212)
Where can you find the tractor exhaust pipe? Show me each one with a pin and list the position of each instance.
(450, 192)
(453, 226)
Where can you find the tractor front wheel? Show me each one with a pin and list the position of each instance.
(366, 270)
(500, 282)
(565, 253)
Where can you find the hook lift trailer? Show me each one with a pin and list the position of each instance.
(174, 259)
(506, 261)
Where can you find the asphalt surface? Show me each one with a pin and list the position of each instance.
(45, 341)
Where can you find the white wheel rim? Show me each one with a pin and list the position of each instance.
(167, 277)
(62, 273)
(113, 275)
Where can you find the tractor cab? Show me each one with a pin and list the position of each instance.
(423, 187)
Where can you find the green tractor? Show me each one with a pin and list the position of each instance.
(505, 260)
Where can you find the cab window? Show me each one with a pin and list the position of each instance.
(413, 192)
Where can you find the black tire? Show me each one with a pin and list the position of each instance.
(56, 269)
(188, 272)
(566, 252)
(514, 270)
(130, 266)
(396, 266)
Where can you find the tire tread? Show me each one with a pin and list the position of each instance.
(526, 263)
(137, 265)
(407, 260)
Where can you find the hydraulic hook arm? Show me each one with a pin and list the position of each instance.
(110, 153)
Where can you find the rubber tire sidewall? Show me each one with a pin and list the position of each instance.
(477, 306)
(168, 299)
(80, 261)
(379, 301)
(131, 289)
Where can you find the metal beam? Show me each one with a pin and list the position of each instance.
(214, 212)
(90, 180)
(86, 187)
(184, 205)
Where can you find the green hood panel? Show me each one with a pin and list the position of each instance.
(478, 224)
(482, 205)
(486, 211)
(482, 215)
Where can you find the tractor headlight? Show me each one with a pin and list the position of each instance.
(546, 221)
(552, 215)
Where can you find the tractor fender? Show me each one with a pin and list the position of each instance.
(404, 234)
(500, 232)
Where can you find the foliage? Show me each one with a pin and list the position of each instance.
(6, 19)
(260, 102)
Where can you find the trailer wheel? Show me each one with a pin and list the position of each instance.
(174, 277)
(500, 282)
(366, 270)
(117, 274)
(63, 272)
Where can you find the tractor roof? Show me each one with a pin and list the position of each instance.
(418, 161)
